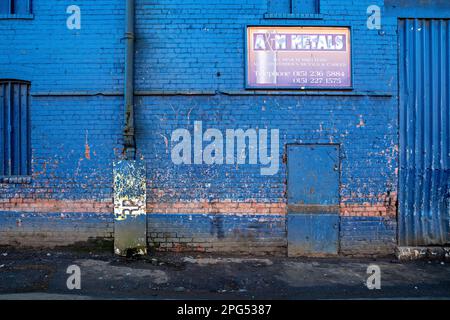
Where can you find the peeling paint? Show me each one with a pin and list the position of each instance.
(87, 149)
(130, 207)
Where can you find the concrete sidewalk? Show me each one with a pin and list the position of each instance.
(37, 274)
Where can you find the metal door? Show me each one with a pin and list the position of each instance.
(313, 199)
(424, 59)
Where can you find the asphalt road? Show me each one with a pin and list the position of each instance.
(42, 274)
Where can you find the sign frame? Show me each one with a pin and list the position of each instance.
(248, 86)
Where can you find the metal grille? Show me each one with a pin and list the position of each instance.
(14, 128)
(15, 7)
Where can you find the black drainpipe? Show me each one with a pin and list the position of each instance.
(129, 143)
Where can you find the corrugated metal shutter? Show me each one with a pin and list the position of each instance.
(14, 128)
(424, 213)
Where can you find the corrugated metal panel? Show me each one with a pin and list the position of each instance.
(424, 213)
(14, 128)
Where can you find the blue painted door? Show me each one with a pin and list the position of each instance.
(424, 212)
(313, 199)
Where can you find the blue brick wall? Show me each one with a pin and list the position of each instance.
(190, 67)
(74, 136)
(184, 46)
(215, 233)
(367, 235)
(56, 229)
(367, 152)
(55, 59)
(198, 48)
(212, 41)
(74, 141)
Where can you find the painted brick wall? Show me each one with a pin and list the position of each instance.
(185, 46)
(55, 59)
(85, 230)
(190, 67)
(367, 236)
(365, 126)
(74, 136)
(256, 234)
(74, 141)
